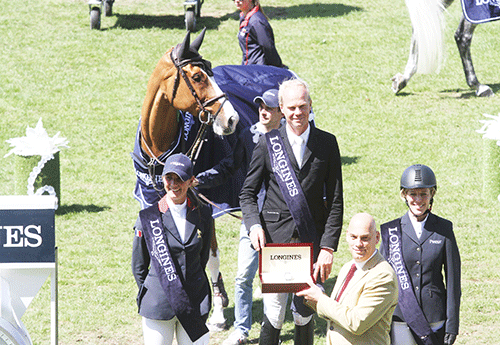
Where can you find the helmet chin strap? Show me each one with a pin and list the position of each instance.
(426, 211)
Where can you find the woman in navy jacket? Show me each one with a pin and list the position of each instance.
(170, 252)
(256, 36)
(428, 247)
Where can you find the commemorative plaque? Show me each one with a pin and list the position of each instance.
(285, 267)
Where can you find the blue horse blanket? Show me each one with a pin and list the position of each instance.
(241, 84)
(481, 11)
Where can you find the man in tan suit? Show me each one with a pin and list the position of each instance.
(365, 295)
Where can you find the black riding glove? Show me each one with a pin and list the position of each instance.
(449, 338)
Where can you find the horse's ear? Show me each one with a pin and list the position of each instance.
(184, 47)
(198, 40)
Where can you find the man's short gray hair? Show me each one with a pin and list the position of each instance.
(291, 83)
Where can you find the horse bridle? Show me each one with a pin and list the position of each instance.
(210, 118)
(204, 111)
(195, 149)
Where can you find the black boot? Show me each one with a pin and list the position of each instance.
(268, 334)
(304, 335)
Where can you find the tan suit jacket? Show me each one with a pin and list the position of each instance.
(363, 314)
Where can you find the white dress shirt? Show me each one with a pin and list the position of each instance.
(179, 215)
(418, 226)
(298, 143)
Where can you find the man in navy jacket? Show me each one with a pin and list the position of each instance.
(317, 167)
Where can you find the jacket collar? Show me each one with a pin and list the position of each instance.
(311, 142)
(246, 19)
(372, 262)
(163, 204)
(427, 230)
(168, 220)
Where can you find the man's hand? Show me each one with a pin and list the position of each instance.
(449, 338)
(258, 238)
(311, 294)
(324, 264)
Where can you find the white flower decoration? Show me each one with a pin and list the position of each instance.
(37, 142)
(491, 128)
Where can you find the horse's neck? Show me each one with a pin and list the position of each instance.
(159, 123)
(161, 127)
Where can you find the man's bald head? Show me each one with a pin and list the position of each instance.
(362, 236)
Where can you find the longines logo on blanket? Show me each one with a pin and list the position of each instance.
(147, 179)
(280, 167)
(188, 123)
(481, 11)
(488, 2)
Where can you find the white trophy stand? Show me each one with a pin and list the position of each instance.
(28, 256)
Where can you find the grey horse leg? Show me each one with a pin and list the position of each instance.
(463, 37)
(399, 81)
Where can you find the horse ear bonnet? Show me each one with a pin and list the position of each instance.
(186, 53)
(198, 40)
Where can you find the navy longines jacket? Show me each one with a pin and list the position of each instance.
(257, 42)
(190, 259)
(425, 259)
(320, 175)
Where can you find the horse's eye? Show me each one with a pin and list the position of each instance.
(197, 77)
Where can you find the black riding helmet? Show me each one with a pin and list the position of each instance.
(418, 176)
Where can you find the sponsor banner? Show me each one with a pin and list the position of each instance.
(290, 187)
(27, 235)
(412, 313)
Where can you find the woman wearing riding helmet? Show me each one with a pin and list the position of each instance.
(420, 246)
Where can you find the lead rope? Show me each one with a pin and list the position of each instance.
(193, 153)
(194, 156)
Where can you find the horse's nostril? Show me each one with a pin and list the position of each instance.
(230, 122)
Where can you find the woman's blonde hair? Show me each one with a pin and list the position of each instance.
(404, 191)
(257, 3)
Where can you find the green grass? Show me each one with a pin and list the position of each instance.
(90, 85)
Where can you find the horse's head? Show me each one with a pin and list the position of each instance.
(182, 80)
(195, 89)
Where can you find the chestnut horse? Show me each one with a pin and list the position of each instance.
(427, 42)
(182, 81)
